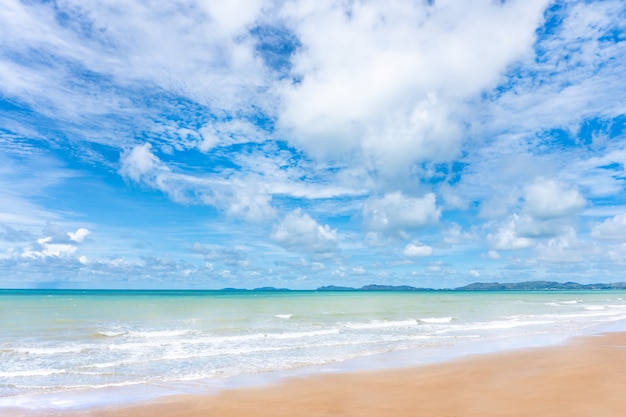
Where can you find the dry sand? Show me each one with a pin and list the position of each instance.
(586, 377)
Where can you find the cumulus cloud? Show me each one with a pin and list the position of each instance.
(549, 199)
(526, 226)
(507, 238)
(546, 221)
(388, 79)
(141, 165)
(56, 243)
(54, 233)
(564, 249)
(417, 250)
(45, 248)
(79, 235)
(250, 201)
(455, 235)
(299, 231)
(613, 228)
(395, 213)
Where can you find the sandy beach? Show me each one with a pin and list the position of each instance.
(585, 377)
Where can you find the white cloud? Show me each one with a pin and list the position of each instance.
(574, 77)
(44, 249)
(417, 250)
(298, 231)
(506, 237)
(524, 231)
(247, 199)
(455, 235)
(564, 249)
(359, 270)
(549, 199)
(389, 79)
(613, 228)
(228, 133)
(141, 165)
(79, 235)
(526, 226)
(51, 249)
(56, 243)
(396, 213)
(54, 233)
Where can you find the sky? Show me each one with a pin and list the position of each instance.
(192, 144)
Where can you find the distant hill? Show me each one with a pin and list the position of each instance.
(374, 287)
(539, 286)
(260, 289)
(490, 286)
(270, 289)
(336, 288)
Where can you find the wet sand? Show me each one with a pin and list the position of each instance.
(586, 377)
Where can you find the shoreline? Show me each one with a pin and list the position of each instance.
(583, 376)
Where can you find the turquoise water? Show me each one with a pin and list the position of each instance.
(68, 344)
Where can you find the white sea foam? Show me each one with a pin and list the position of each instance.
(104, 333)
(381, 324)
(297, 335)
(436, 320)
(57, 350)
(31, 372)
(283, 316)
(159, 333)
(501, 324)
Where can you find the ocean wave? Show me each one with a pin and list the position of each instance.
(381, 324)
(436, 320)
(60, 350)
(147, 334)
(141, 334)
(31, 372)
(278, 335)
(217, 341)
(106, 334)
(498, 324)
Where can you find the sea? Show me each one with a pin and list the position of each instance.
(72, 349)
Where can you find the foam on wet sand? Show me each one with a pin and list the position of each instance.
(584, 377)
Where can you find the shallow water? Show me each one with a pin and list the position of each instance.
(77, 343)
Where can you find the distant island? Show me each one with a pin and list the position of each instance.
(491, 286)
(477, 286)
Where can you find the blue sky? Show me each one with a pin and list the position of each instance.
(210, 144)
